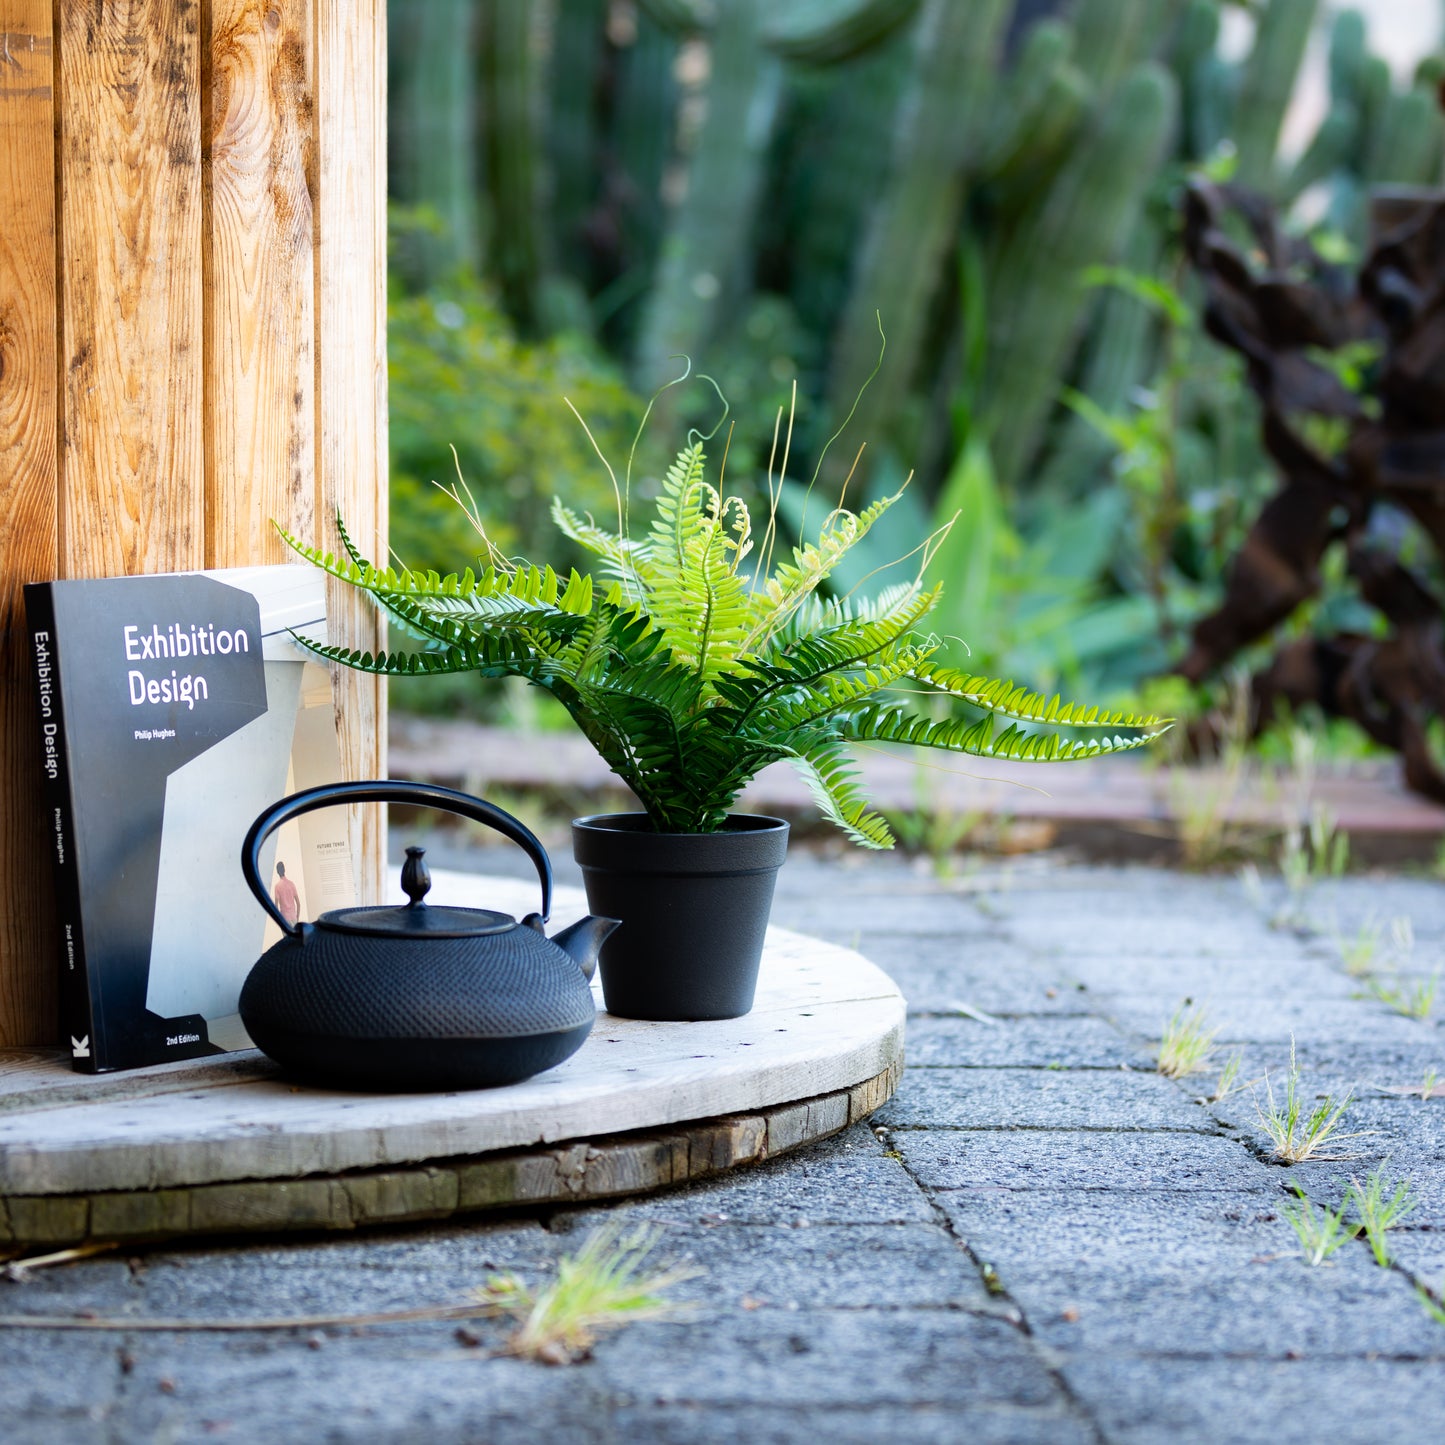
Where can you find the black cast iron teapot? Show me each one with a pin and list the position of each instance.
(418, 997)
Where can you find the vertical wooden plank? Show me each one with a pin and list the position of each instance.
(27, 505)
(350, 61)
(259, 278)
(132, 462)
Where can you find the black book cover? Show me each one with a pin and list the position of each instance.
(174, 709)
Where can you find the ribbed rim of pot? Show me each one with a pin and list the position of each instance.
(626, 843)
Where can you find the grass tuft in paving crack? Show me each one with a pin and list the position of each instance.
(1320, 1235)
(1376, 1213)
(1187, 1046)
(1295, 1134)
(605, 1285)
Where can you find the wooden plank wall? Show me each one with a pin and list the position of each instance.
(192, 338)
(29, 501)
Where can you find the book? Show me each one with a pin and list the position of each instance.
(174, 708)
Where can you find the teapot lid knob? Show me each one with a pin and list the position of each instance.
(415, 877)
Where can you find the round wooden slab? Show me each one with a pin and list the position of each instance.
(229, 1145)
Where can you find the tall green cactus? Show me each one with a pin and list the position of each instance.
(1268, 83)
(1194, 61)
(512, 146)
(639, 141)
(573, 152)
(1037, 300)
(1331, 147)
(1405, 147)
(1349, 50)
(1117, 351)
(432, 117)
(828, 203)
(1027, 100)
(915, 220)
(1111, 36)
(825, 32)
(704, 252)
(680, 17)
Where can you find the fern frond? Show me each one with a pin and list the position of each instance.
(393, 664)
(892, 723)
(694, 594)
(624, 562)
(835, 695)
(352, 550)
(792, 583)
(835, 789)
(1008, 700)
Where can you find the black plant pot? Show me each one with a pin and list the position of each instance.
(694, 908)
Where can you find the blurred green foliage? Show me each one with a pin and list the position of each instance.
(461, 378)
(753, 181)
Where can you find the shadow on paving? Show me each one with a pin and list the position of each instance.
(1038, 1239)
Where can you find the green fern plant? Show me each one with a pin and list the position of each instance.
(689, 672)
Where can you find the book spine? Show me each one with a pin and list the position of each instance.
(77, 1013)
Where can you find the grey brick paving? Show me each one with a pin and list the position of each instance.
(1041, 1099)
(1039, 1241)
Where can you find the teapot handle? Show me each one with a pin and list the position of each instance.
(449, 800)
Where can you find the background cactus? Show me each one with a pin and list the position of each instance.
(433, 116)
(823, 32)
(512, 130)
(916, 218)
(703, 258)
(752, 182)
(1266, 84)
(1037, 299)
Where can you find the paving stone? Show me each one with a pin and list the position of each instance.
(904, 1424)
(937, 974)
(880, 1267)
(1364, 1064)
(1182, 1274)
(87, 1429)
(396, 1271)
(1421, 1254)
(879, 895)
(1352, 903)
(1204, 978)
(1109, 1228)
(394, 1385)
(1058, 1159)
(1277, 1310)
(907, 1357)
(848, 1179)
(67, 1380)
(1263, 1020)
(1041, 1043)
(809, 1367)
(105, 1283)
(1039, 1099)
(1425, 1175)
(1159, 1401)
(1185, 918)
(1371, 1129)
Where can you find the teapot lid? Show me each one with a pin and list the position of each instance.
(416, 919)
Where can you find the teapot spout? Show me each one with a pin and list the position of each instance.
(582, 941)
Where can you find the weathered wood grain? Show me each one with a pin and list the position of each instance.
(132, 462)
(212, 354)
(259, 271)
(825, 1021)
(607, 1167)
(28, 539)
(350, 69)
